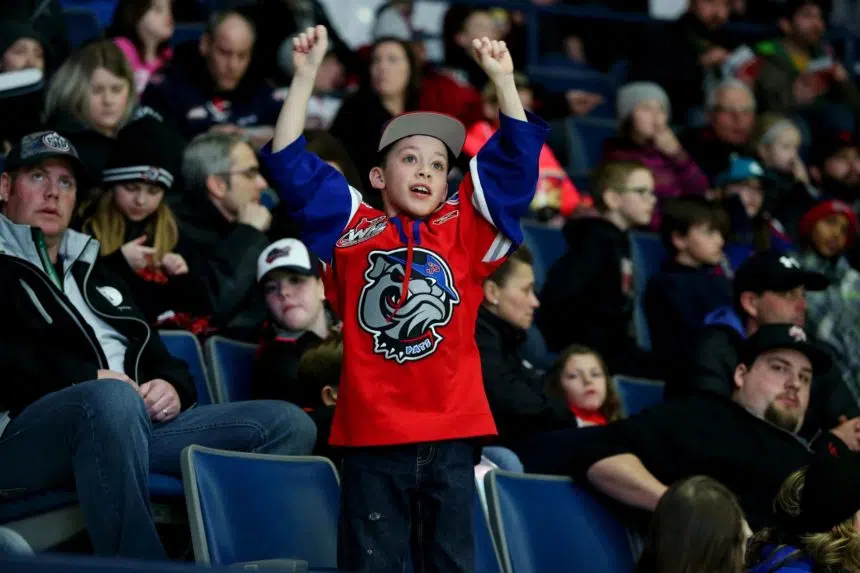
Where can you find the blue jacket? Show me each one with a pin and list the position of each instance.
(775, 561)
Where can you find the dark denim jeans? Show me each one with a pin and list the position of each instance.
(98, 436)
(414, 497)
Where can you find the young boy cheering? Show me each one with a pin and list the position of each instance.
(407, 282)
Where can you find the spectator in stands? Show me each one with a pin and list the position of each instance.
(826, 231)
(692, 283)
(298, 319)
(319, 377)
(818, 511)
(138, 234)
(556, 197)
(588, 297)
(520, 406)
(328, 97)
(90, 97)
(393, 88)
(277, 22)
(777, 142)
(731, 111)
(698, 525)
(208, 88)
(769, 288)
(225, 224)
(47, 18)
(109, 404)
(20, 48)
(580, 378)
(740, 191)
(333, 152)
(747, 442)
(454, 88)
(798, 76)
(142, 30)
(690, 55)
(645, 135)
(835, 168)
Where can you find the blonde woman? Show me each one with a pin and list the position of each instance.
(138, 232)
(92, 90)
(818, 513)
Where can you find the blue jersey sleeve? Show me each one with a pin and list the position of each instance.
(314, 194)
(505, 171)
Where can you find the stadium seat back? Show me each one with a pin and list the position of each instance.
(246, 508)
(548, 523)
(185, 346)
(546, 244)
(638, 394)
(231, 366)
(648, 254)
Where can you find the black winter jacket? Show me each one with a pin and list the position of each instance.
(225, 255)
(47, 345)
(516, 394)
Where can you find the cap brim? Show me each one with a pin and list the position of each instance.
(75, 162)
(818, 358)
(443, 127)
(290, 269)
(814, 281)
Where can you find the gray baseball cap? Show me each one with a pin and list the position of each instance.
(443, 127)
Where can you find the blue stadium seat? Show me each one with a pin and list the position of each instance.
(231, 366)
(548, 523)
(102, 10)
(189, 32)
(534, 350)
(587, 137)
(547, 244)
(252, 508)
(572, 76)
(486, 553)
(648, 255)
(82, 25)
(185, 346)
(58, 563)
(638, 394)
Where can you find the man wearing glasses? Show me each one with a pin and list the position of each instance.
(222, 217)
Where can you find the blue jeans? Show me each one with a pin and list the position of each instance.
(98, 436)
(397, 498)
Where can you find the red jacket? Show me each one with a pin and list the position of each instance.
(409, 290)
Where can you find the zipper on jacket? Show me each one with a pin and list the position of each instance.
(65, 305)
(103, 315)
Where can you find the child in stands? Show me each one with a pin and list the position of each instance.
(142, 30)
(588, 295)
(556, 197)
(318, 376)
(581, 378)
(826, 232)
(693, 282)
(408, 282)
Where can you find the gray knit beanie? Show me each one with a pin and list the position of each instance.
(631, 95)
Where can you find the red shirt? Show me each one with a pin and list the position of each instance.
(411, 370)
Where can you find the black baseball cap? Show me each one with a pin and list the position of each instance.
(830, 494)
(773, 271)
(37, 147)
(784, 337)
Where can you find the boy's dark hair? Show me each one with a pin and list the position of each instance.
(611, 175)
(319, 367)
(521, 255)
(680, 214)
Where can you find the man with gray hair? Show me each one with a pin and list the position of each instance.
(224, 222)
(731, 108)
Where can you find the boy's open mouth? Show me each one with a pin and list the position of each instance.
(420, 189)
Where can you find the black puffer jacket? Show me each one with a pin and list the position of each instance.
(516, 394)
(45, 342)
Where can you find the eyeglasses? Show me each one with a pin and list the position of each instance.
(248, 173)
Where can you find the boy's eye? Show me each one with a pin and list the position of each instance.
(409, 159)
(438, 166)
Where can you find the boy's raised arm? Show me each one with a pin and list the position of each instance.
(309, 49)
(496, 62)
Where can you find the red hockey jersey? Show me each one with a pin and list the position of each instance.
(411, 371)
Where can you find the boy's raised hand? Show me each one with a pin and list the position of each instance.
(493, 56)
(309, 50)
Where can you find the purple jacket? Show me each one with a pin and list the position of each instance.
(673, 176)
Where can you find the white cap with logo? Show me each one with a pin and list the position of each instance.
(287, 254)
